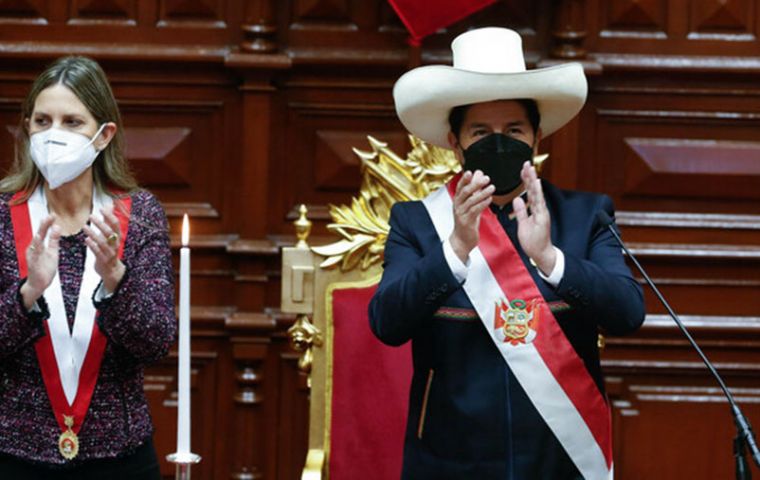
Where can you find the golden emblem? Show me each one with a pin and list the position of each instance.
(387, 178)
(68, 442)
(516, 322)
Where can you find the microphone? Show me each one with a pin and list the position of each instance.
(744, 433)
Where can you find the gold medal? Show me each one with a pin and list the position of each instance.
(68, 443)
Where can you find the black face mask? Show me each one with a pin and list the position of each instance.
(501, 158)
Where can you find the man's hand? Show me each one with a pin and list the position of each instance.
(534, 230)
(472, 196)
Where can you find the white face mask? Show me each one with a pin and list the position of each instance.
(61, 156)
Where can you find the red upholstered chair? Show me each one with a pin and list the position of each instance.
(359, 387)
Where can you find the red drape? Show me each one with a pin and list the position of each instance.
(369, 396)
(423, 17)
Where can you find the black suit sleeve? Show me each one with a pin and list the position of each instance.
(414, 284)
(601, 287)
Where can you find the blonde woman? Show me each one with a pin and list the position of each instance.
(86, 288)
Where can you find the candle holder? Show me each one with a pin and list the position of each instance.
(183, 461)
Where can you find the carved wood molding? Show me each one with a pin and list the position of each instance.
(257, 61)
(316, 212)
(228, 55)
(677, 63)
(718, 333)
(681, 115)
(569, 30)
(689, 167)
(205, 242)
(253, 322)
(677, 367)
(703, 322)
(116, 51)
(688, 220)
(214, 320)
(192, 209)
(325, 56)
(705, 282)
(249, 402)
(209, 319)
(259, 27)
(681, 250)
(261, 247)
(692, 394)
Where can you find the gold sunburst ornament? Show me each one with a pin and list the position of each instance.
(386, 179)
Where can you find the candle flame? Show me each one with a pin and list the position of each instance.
(185, 231)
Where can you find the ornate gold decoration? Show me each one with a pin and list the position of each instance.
(315, 461)
(303, 227)
(298, 293)
(303, 336)
(386, 179)
(68, 442)
(538, 161)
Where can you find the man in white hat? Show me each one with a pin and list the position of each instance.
(501, 280)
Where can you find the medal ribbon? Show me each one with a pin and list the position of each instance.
(546, 365)
(23, 231)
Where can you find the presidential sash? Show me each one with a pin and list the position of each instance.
(530, 340)
(69, 361)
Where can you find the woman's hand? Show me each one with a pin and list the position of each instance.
(41, 261)
(103, 238)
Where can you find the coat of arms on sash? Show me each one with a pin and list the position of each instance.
(516, 322)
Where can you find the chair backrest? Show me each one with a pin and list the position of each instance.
(370, 388)
(359, 387)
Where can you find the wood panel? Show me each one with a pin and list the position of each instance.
(100, 12)
(655, 28)
(667, 408)
(665, 144)
(621, 18)
(237, 111)
(698, 167)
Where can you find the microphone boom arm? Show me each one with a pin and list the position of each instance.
(744, 430)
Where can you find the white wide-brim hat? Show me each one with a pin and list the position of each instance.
(488, 65)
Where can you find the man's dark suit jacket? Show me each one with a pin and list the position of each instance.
(476, 421)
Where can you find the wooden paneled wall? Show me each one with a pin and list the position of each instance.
(236, 111)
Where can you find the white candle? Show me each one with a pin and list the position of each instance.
(183, 380)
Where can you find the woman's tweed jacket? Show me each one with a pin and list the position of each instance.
(138, 320)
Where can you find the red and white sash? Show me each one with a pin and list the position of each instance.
(541, 357)
(69, 361)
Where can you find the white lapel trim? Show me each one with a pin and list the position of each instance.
(70, 348)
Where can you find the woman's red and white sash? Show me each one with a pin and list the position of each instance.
(530, 340)
(69, 360)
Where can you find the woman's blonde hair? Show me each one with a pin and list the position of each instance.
(84, 77)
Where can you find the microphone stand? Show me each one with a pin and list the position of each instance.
(745, 437)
